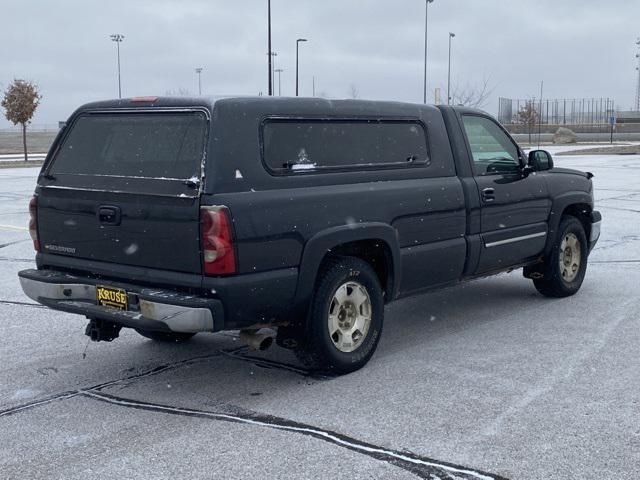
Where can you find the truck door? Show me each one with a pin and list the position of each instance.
(514, 208)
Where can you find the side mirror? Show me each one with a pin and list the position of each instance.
(540, 160)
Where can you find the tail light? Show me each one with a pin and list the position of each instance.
(218, 253)
(33, 222)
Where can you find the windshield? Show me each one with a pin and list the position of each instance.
(148, 145)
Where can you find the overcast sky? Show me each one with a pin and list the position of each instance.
(580, 48)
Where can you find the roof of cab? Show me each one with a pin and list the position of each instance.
(150, 102)
(270, 104)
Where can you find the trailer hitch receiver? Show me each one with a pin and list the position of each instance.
(102, 330)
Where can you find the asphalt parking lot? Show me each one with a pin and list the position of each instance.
(484, 380)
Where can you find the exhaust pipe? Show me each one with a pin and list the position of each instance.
(256, 341)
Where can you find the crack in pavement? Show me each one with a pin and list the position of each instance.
(13, 243)
(612, 261)
(272, 364)
(231, 353)
(22, 304)
(422, 467)
(148, 373)
(616, 243)
(626, 197)
(17, 260)
(620, 209)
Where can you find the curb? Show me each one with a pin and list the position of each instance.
(31, 163)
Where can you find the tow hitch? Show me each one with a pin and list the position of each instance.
(102, 330)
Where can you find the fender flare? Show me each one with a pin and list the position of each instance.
(560, 204)
(320, 244)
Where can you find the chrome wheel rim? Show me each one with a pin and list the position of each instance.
(349, 316)
(570, 257)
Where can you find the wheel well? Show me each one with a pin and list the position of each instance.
(377, 254)
(582, 211)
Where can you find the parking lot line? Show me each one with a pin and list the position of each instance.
(13, 228)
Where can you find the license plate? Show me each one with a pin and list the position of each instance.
(112, 297)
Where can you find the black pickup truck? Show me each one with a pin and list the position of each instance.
(176, 216)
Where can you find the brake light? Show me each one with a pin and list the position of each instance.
(33, 222)
(144, 99)
(218, 253)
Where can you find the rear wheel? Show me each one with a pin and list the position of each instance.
(565, 267)
(345, 318)
(166, 337)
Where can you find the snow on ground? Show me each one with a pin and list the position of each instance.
(20, 157)
(489, 375)
(554, 149)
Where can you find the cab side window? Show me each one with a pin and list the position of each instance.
(492, 150)
(301, 146)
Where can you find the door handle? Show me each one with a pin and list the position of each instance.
(489, 194)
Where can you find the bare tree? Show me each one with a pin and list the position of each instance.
(20, 101)
(470, 95)
(528, 115)
(353, 91)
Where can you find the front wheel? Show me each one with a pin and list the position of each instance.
(566, 266)
(345, 318)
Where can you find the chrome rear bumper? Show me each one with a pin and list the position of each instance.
(151, 309)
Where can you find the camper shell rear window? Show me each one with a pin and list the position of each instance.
(138, 152)
(145, 145)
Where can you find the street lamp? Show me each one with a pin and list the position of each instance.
(199, 72)
(279, 72)
(118, 38)
(298, 64)
(273, 56)
(451, 37)
(638, 85)
(426, 38)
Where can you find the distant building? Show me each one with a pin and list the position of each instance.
(628, 117)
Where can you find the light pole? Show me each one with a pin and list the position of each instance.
(273, 56)
(199, 72)
(269, 49)
(426, 38)
(638, 69)
(118, 38)
(279, 72)
(298, 65)
(451, 37)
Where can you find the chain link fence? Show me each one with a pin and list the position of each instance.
(561, 112)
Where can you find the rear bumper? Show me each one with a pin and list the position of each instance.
(150, 309)
(596, 223)
(236, 302)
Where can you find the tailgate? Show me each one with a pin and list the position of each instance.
(124, 187)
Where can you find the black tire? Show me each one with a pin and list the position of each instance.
(553, 283)
(318, 351)
(166, 337)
